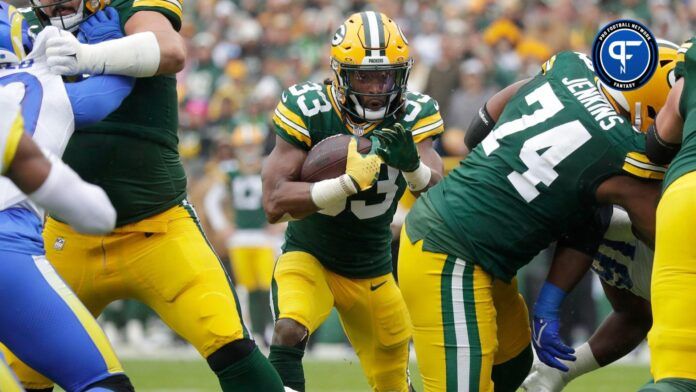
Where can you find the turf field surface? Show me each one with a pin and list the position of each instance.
(341, 375)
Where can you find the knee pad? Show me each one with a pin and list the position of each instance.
(115, 383)
(509, 375)
(230, 353)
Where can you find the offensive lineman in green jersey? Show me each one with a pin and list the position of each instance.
(557, 151)
(338, 252)
(671, 337)
(251, 241)
(157, 254)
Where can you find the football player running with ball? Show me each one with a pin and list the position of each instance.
(157, 254)
(337, 245)
(557, 151)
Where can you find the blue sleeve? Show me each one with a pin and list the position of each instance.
(94, 98)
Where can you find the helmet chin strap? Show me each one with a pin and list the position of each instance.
(638, 121)
(72, 20)
(369, 114)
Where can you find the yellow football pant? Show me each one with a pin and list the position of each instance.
(163, 261)
(372, 312)
(672, 338)
(8, 382)
(253, 267)
(464, 321)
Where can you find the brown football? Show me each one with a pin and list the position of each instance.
(328, 158)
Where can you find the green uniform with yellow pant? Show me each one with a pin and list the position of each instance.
(158, 253)
(532, 179)
(342, 257)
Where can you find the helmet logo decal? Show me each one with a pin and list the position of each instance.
(373, 27)
(339, 36)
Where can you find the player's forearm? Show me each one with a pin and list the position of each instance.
(568, 268)
(288, 200)
(172, 52)
(619, 334)
(170, 45)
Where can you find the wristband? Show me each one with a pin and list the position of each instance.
(548, 303)
(326, 193)
(418, 179)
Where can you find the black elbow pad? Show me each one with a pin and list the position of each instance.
(479, 128)
(659, 151)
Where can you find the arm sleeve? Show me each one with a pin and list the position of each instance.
(480, 127)
(96, 97)
(587, 237)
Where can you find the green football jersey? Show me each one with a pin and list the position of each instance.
(685, 161)
(354, 239)
(534, 176)
(133, 153)
(246, 196)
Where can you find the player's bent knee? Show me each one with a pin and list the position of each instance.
(509, 375)
(230, 353)
(288, 332)
(115, 383)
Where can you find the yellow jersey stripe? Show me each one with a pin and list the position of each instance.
(427, 128)
(292, 124)
(292, 117)
(172, 6)
(426, 121)
(11, 142)
(291, 131)
(430, 133)
(641, 161)
(640, 158)
(643, 173)
(16, 32)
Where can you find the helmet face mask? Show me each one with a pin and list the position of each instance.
(371, 64)
(49, 12)
(370, 92)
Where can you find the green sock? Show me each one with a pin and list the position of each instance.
(670, 385)
(508, 376)
(288, 362)
(260, 311)
(253, 373)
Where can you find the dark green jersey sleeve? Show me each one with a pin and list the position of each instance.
(291, 117)
(171, 9)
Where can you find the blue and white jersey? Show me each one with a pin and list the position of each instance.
(51, 110)
(47, 111)
(622, 260)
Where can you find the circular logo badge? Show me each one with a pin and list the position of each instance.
(624, 54)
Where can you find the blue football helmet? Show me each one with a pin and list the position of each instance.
(15, 39)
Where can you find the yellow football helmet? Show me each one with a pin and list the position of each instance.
(371, 63)
(247, 141)
(643, 103)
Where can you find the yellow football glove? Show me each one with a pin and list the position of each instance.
(363, 170)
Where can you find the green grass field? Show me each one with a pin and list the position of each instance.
(194, 376)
